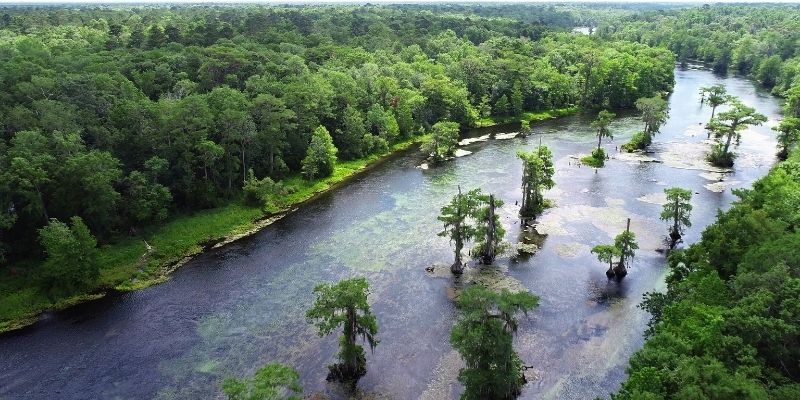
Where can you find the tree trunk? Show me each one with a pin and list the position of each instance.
(675, 235)
(491, 231)
(610, 273)
(244, 165)
(352, 364)
(620, 270)
(599, 138)
(728, 142)
(457, 267)
(271, 162)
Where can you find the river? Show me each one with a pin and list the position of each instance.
(229, 311)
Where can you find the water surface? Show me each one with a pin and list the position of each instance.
(230, 311)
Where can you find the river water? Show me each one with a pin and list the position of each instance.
(232, 310)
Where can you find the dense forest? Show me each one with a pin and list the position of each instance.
(114, 120)
(757, 41)
(729, 323)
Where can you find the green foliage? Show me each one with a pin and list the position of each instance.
(483, 336)
(457, 224)
(321, 155)
(788, 135)
(537, 176)
(195, 97)
(597, 159)
(443, 140)
(271, 382)
(489, 231)
(678, 211)
(71, 263)
(264, 193)
(639, 141)
(626, 243)
(345, 304)
(729, 125)
(722, 328)
(715, 96)
(146, 201)
(604, 118)
(606, 253)
(719, 157)
(654, 113)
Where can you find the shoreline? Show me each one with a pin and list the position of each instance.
(164, 268)
(143, 271)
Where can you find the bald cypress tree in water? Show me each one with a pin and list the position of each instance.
(677, 209)
(457, 225)
(537, 176)
(345, 304)
(625, 242)
(483, 335)
(489, 231)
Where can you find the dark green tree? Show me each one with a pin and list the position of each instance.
(443, 141)
(729, 125)
(321, 155)
(457, 225)
(71, 263)
(715, 96)
(788, 136)
(489, 232)
(626, 243)
(345, 305)
(537, 176)
(654, 113)
(483, 335)
(606, 253)
(677, 210)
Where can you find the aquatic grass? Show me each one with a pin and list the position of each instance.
(528, 116)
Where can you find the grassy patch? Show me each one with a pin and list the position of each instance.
(639, 141)
(129, 265)
(529, 116)
(597, 159)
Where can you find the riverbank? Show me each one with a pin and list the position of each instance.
(529, 116)
(148, 259)
(138, 262)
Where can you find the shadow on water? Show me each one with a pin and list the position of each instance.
(229, 311)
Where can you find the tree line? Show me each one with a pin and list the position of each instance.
(126, 117)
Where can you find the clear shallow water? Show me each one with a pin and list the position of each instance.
(230, 311)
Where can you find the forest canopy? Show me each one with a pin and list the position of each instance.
(127, 116)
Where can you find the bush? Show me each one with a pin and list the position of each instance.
(71, 263)
(374, 144)
(262, 192)
(720, 158)
(597, 159)
(639, 141)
